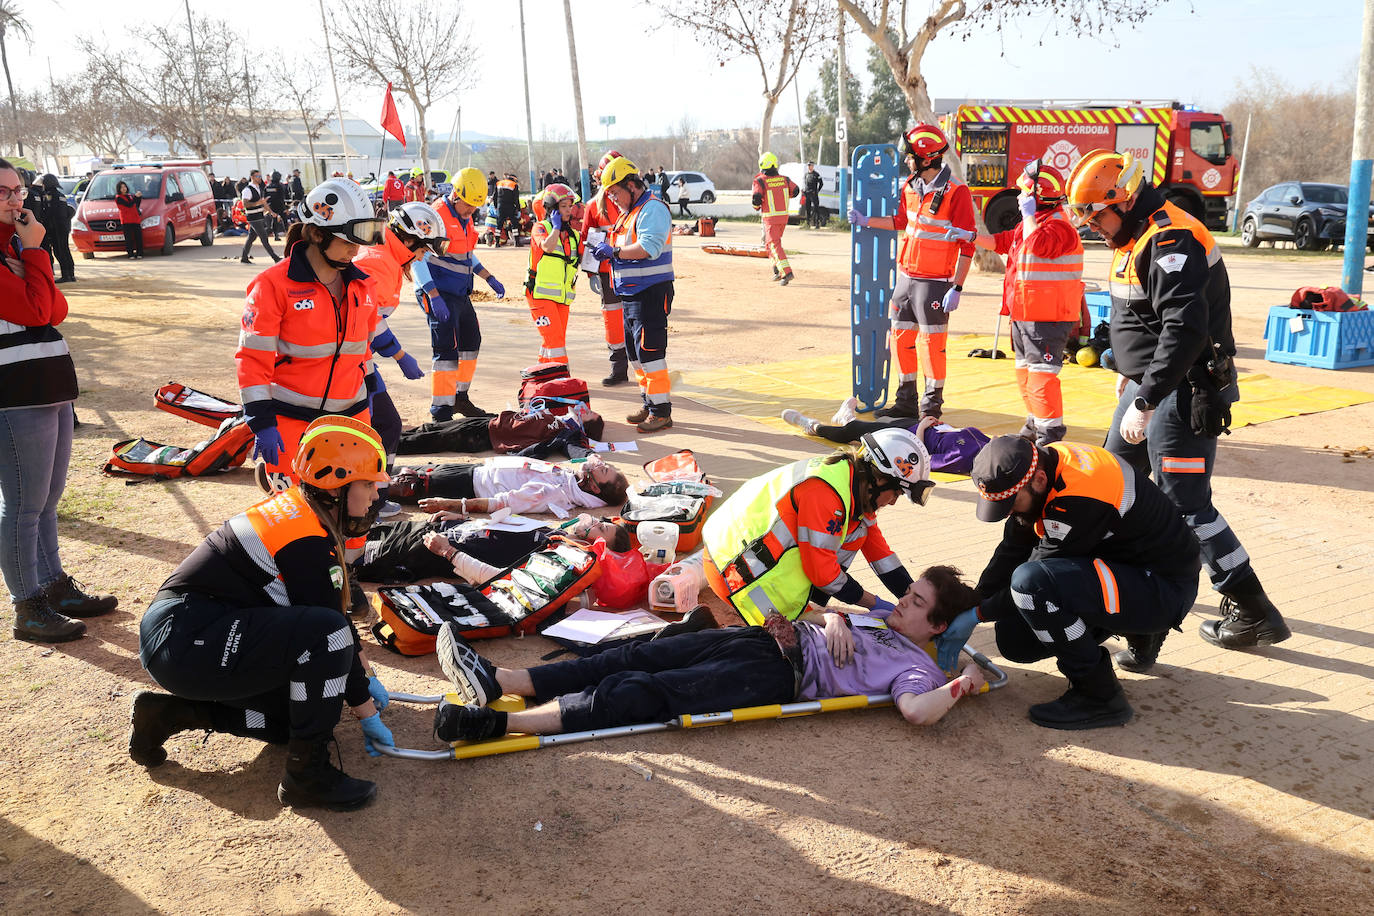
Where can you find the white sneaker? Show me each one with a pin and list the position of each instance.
(797, 419)
(847, 413)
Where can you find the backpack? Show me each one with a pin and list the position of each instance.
(190, 404)
(144, 458)
(1325, 299)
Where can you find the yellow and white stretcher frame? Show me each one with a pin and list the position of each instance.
(509, 744)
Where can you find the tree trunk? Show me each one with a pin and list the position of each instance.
(14, 107)
(584, 162)
(310, 141)
(770, 102)
(424, 137)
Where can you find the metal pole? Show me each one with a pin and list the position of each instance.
(843, 204)
(248, 84)
(338, 99)
(801, 147)
(195, 71)
(1240, 175)
(1361, 163)
(583, 161)
(529, 123)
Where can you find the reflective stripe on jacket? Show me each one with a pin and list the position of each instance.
(452, 273)
(633, 276)
(756, 538)
(921, 248)
(775, 190)
(264, 529)
(1048, 289)
(552, 274)
(300, 349)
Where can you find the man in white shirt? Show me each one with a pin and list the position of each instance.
(523, 485)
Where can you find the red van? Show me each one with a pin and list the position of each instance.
(177, 205)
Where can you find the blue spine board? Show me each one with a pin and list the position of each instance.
(874, 251)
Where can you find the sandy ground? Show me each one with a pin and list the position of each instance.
(1241, 787)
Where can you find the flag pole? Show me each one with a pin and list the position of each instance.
(380, 153)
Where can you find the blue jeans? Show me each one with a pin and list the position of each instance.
(35, 447)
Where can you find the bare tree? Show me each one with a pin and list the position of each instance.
(778, 34)
(40, 125)
(425, 50)
(95, 115)
(12, 23)
(903, 41)
(158, 80)
(301, 82)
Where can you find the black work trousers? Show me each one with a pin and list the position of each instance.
(133, 239)
(258, 229)
(270, 673)
(707, 671)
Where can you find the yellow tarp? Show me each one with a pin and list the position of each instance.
(980, 392)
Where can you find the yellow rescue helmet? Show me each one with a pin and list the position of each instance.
(470, 187)
(768, 161)
(616, 171)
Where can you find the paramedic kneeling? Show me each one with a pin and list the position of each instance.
(714, 670)
(250, 634)
(1091, 548)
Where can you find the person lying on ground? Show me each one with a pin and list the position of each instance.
(508, 431)
(473, 549)
(951, 449)
(523, 485)
(713, 670)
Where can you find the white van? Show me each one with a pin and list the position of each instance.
(830, 187)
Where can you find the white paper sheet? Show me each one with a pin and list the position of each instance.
(598, 446)
(593, 627)
(589, 262)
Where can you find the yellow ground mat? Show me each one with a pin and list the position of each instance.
(980, 392)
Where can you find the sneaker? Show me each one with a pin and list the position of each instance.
(1140, 652)
(698, 619)
(389, 509)
(453, 722)
(655, 424)
(800, 421)
(639, 416)
(1246, 623)
(1077, 711)
(472, 676)
(34, 621)
(848, 412)
(66, 596)
(441, 414)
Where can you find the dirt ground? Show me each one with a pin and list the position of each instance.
(1241, 787)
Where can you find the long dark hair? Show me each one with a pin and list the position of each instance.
(124, 185)
(865, 481)
(305, 232)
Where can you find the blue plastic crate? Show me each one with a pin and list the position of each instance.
(1326, 340)
(1099, 307)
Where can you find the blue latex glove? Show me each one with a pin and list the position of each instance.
(951, 300)
(955, 234)
(496, 287)
(377, 689)
(267, 445)
(857, 219)
(950, 643)
(437, 308)
(374, 730)
(409, 367)
(1027, 204)
(881, 607)
(556, 221)
(604, 251)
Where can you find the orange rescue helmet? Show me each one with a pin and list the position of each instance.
(336, 450)
(1102, 178)
(1043, 182)
(924, 141)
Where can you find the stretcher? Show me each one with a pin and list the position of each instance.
(874, 256)
(736, 249)
(509, 744)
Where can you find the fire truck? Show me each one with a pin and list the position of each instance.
(1186, 153)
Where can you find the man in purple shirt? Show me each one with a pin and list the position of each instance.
(714, 670)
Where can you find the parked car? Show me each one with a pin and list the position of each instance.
(1309, 214)
(702, 189)
(177, 205)
(830, 187)
(68, 186)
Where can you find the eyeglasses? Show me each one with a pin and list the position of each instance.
(18, 191)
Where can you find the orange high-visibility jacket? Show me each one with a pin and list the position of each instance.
(1044, 279)
(922, 250)
(601, 213)
(299, 351)
(385, 264)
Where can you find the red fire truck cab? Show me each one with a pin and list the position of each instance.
(1187, 153)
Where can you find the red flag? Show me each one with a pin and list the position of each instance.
(391, 120)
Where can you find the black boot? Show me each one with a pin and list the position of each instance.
(1140, 652)
(66, 597)
(463, 404)
(312, 781)
(157, 717)
(1094, 700)
(35, 621)
(441, 414)
(1247, 621)
(699, 618)
(620, 369)
(358, 604)
(906, 404)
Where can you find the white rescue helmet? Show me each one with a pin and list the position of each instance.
(341, 208)
(899, 454)
(420, 221)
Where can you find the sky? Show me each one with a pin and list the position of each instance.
(1194, 52)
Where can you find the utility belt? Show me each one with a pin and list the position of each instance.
(1211, 383)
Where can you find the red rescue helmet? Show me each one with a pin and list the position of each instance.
(546, 204)
(926, 142)
(1043, 182)
(605, 160)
